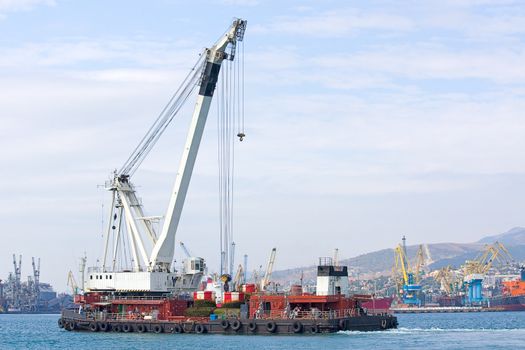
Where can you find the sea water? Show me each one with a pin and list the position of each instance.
(486, 330)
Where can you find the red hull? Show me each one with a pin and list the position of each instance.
(380, 304)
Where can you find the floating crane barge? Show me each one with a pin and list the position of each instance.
(150, 296)
(327, 311)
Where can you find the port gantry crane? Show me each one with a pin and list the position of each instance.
(152, 267)
(269, 269)
(475, 270)
(238, 280)
(72, 283)
(408, 282)
(448, 280)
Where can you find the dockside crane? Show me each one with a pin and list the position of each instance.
(36, 272)
(36, 280)
(72, 283)
(238, 280)
(407, 278)
(419, 264)
(448, 280)
(16, 283)
(245, 268)
(269, 269)
(476, 270)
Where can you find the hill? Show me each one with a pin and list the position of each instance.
(514, 236)
(442, 254)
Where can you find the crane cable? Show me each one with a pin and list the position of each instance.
(164, 119)
(230, 120)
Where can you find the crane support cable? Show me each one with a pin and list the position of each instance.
(230, 124)
(164, 119)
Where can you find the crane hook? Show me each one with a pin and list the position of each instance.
(241, 136)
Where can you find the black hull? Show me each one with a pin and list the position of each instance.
(508, 303)
(246, 326)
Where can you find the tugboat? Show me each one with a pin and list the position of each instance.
(137, 289)
(329, 310)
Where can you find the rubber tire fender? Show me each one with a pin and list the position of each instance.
(297, 327)
(70, 326)
(314, 328)
(93, 327)
(177, 328)
(383, 324)
(141, 328)
(60, 323)
(271, 327)
(200, 329)
(225, 324)
(252, 326)
(342, 325)
(157, 328)
(103, 326)
(236, 325)
(116, 328)
(126, 328)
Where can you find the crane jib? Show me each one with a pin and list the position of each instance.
(209, 79)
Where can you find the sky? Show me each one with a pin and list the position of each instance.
(365, 121)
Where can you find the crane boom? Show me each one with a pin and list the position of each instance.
(71, 282)
(239, 276)
(163, 250)
(401, 262)
(185, 250)
(420, 263)
(269, 268)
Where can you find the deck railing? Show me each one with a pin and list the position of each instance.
(310, 314)
(106, 316)
(116, 297)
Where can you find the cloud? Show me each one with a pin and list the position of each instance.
(339, 23)
(68, 53)
(420, 62)
(22, 5)
(240, 2)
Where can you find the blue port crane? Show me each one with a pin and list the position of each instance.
(408, 282)
(476, 270)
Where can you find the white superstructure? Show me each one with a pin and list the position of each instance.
(331, 279)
